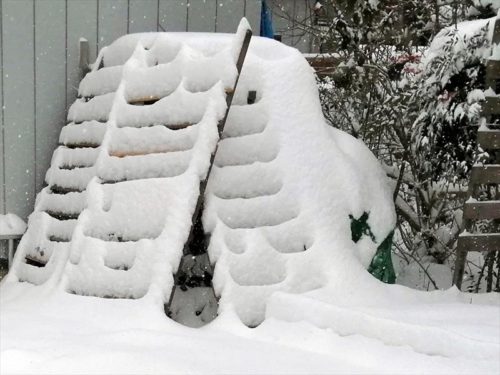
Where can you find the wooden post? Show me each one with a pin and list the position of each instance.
(11, 252)
(84, 58)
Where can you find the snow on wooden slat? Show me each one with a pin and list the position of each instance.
(50, 75)
(19, 102)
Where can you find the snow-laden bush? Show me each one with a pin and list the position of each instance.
(417, 109)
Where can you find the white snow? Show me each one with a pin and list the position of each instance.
(11, 224)
(277, 209)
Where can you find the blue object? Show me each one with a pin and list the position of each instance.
(266, 22)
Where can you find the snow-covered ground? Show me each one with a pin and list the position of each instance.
(43, 332)
(277, 207)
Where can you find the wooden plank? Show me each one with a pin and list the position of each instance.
(493, 75)
(112, 22)
(302, 15)
(479, 242)
(173, 15)
(202, 15)
(283, 14)
(485, 174)
(491, 106)
(19, 105)
(81, 23)
(143, 16)
(229, 14)
(2, 152)
(252, 13)
(489, 139)
(50, 73)
(458, 274)
(323, 65)
(482, 210)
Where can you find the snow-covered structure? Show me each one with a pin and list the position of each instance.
(294, 213)
(280, 201)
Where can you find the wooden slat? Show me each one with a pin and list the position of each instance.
(485, 174)
(124, 153)
(32, 261)
(142, 15)
(147, 100)
(493, 74)
(491, 106)
(482, 210)
(152, 99)
(479, 242)
(61, 190)
(322, 64)
(489, 139)
(74, 145)
(18, 106)
(63, 215)
(50, 72)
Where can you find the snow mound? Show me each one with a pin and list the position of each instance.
(122, 186)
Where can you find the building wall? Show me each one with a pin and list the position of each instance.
(39, 72)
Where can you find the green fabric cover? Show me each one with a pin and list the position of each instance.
(381, 266)
(360, 227)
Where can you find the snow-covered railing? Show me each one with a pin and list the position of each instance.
(12, 228)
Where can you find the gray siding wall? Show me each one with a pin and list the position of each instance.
(39, 72)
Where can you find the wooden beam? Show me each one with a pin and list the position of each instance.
(323, 64)
(493, 75)
(482, 210)
(458, 275)
(485, 174)
(489, 139)
(479, 242)
(63, 215)
(124, 153)
(32, 261)
(152, 99)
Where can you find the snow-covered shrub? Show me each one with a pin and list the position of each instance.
(417, 109)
